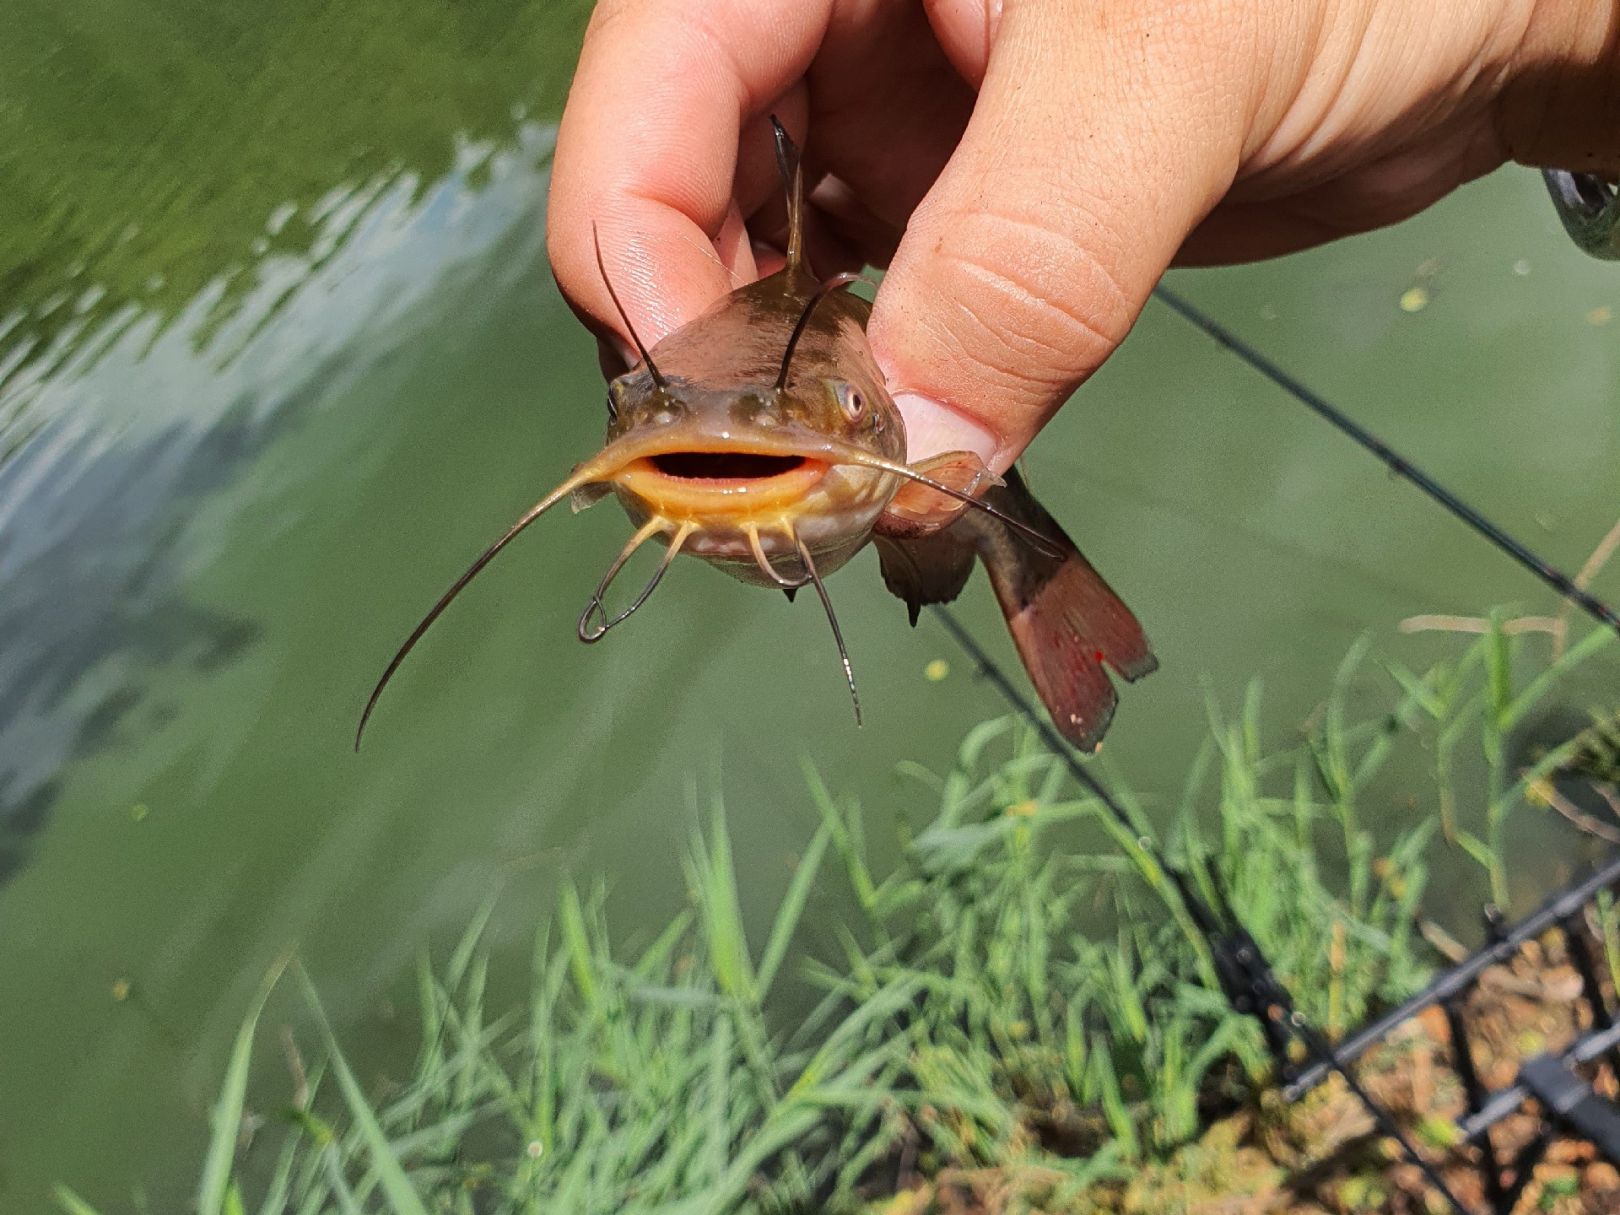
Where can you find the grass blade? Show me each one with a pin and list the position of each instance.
(402, 1195)
(70, 1202)
(227, 1121)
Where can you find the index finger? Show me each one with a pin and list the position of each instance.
(647, 151)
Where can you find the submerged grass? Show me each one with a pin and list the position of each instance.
(1005, 998)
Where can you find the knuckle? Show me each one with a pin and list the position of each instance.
(1030, 302)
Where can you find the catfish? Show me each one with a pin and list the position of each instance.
(760, 438)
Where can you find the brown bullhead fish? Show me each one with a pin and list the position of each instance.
(760, 437)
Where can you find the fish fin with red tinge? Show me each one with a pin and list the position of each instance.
(917, 510)
(1066, 621)
(930, 569)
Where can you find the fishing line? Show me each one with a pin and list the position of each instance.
(1246, 977)
(1397, 463)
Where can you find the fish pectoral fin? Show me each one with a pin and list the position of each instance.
(931, 569)
(1066, 621)
(918, 510)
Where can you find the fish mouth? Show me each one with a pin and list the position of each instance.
(728, 468)
(702, 483)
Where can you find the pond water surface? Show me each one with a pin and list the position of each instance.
(279, 353)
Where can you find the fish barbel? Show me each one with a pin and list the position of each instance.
(760, 437)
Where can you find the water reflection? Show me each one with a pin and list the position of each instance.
(99, 507)
(167, 191)
(150, 156)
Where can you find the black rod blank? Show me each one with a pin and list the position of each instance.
(1398, 464)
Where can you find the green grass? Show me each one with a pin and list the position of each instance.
(1021, 992)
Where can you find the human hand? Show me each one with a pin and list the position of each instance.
(1027, 171)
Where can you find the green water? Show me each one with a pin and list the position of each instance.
(279, 353)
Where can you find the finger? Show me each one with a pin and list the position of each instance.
(1374, 195)
(648, 151)
(888, 108)
(1088, 159)
(862, 230)
(839, 233)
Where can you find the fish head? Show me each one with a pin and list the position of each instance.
(757, 426)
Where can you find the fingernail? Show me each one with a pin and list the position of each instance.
(933, 427)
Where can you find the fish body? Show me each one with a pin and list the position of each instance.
(760, 438)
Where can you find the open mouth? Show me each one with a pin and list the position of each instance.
(695, 484)
(727, 466)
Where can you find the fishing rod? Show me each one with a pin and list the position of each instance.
(1398, 464)
(1246, 977)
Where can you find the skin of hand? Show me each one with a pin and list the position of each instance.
(1027, 169)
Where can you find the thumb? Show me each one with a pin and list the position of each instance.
(1102, 134)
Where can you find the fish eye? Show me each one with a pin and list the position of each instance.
(851, 400)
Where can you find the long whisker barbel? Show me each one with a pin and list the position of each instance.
(624, 316)
(590, 636)
(596, 606)
(863, 459)
(1398, 464)
(836, 283)
(832, 619)
(764, 562)
(581, 476)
